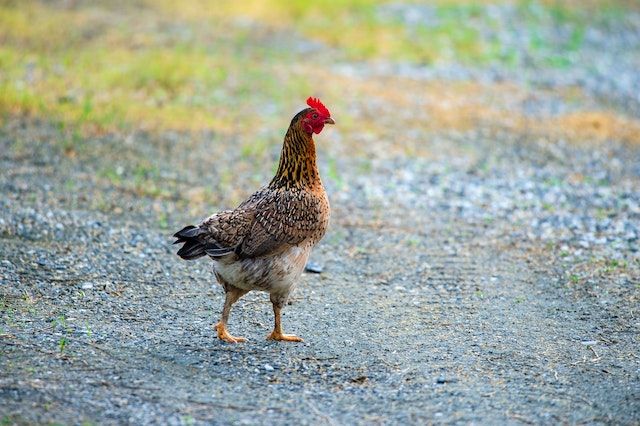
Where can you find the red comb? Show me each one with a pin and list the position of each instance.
(315, 103)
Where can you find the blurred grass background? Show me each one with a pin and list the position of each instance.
(132, 93)
(232, 67)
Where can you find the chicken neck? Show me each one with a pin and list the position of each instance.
(297, 167)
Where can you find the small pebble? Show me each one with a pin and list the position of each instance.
(313, 267)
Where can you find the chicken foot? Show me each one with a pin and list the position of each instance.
(277, 334)
(232, 295)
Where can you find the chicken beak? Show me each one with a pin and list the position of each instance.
(329, 120)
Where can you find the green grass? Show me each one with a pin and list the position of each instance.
(359, 29)
(159, 64)
(142, 179)
(62, 344)
(71, 69)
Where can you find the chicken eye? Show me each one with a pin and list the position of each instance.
(315, 116)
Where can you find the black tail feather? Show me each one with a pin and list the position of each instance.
(194, 247)
(191, 250)
(187, 232)
(215, 251)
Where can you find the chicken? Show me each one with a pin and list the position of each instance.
(265, 242)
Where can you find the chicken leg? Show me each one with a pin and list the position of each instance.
(277, 334)
(232, 295)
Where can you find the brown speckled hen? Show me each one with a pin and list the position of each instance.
(265, 242)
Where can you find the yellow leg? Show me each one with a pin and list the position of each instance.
(231, 296)
(277, 334)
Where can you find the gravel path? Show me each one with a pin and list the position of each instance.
(466, 310)
(486, 275)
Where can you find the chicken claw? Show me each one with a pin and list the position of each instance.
(284, 337)
(223, 334)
